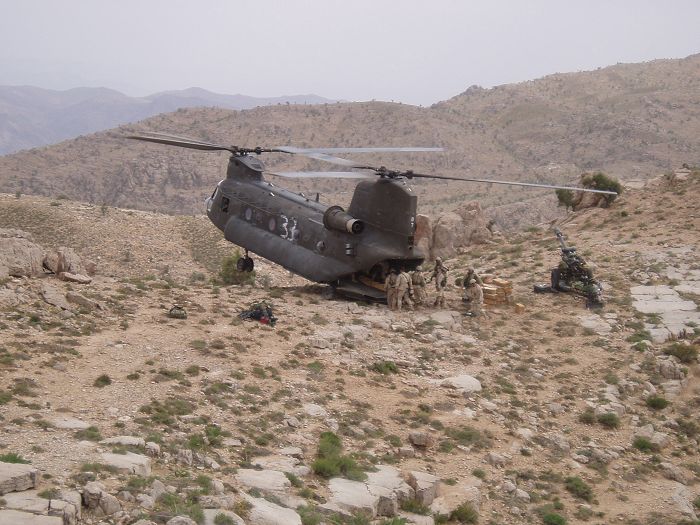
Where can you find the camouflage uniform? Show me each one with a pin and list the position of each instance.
(474, 298)
(440, 276)
(390, 286)
(405, 291)
(418, 282)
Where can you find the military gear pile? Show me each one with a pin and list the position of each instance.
(261, 312)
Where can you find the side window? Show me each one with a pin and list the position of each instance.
(224, 204)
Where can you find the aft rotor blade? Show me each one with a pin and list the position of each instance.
(323, 174)
(182, 142)
(369, 150)
(323, 153)
(509, 183)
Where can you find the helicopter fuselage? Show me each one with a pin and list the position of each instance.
(323, 244)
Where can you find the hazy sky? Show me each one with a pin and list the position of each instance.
(418, 52)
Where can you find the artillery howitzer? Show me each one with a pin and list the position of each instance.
(573, 275)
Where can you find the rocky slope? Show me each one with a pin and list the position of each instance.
(348, 413)
(632, 121)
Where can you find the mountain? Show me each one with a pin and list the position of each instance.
(631, 121)
(31, 116)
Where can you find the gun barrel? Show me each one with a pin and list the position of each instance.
(560, 238)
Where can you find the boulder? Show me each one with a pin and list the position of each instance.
(81, 300)
(128, 441)
(463, 382)
(420, 439)
(353, 496)
(446, 235)
(19, 256)
(314, 410)
(455, 230)
(15, 517)
(452, 496)
(424, 234)
(54, 296)
(282, 463)
(265, 480)
(64, 260)
(30, 501)
(17, 477)
(263, 512)
(100, 502)
(425, 485)
(211, 514)
(129, 463)
(69, 423)
(181, 520)
(75, 277)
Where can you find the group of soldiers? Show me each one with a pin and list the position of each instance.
(409, 289)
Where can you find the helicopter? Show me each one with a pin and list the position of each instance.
(351, 250)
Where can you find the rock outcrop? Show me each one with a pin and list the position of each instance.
(452, 231)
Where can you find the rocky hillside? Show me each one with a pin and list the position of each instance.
(632, 121)
(113, 412)
(32, 117)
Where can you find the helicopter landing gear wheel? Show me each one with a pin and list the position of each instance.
(245, 264)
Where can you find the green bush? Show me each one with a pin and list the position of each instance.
(601, 181)
(330, 463)
(88, 434)
(102, 381)
(465, 513)
(415, 506)
(565, 198)
(587, 416)
(657, 402)
(229, 273)
(552, 518)
(223, 519)
(644, 445)
(385, 367)
(11, 457)
(579, 488)
(609, 420)
(685, 353)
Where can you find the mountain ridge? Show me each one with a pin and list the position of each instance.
(31, 116)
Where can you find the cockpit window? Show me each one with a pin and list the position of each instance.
(224, 204)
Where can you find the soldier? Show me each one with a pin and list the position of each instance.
(474, 298)
(405, 290)
(440, 276)
(418, 282)
(471, 274)
(391, 288)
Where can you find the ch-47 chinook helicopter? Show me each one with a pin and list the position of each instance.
(351, 250)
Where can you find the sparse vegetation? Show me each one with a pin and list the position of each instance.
(102, 381)
(686, 353)
(12, 457)
(330, 462)
(579, 488)
(657, 402)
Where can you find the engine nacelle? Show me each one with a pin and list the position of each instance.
(336, 218)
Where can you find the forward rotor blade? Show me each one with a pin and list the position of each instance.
(182, 142)
(510, 183)
(323, 174)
